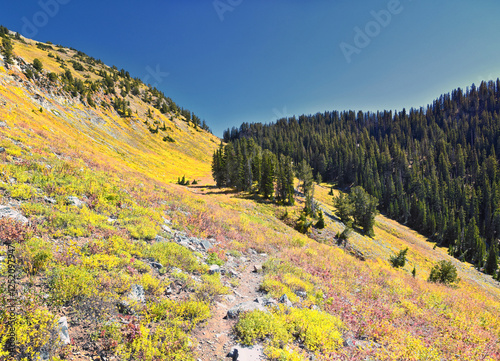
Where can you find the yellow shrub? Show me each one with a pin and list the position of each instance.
(318, 330)
(277, 289)
(210, 287)
(22, 191)
(165, 343)
(34, 255)
(278, 354)
(174, 255)
(152, 284)
(69, 282)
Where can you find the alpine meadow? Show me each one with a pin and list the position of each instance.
(129, 230)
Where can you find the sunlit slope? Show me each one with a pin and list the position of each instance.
(45, 119)
(407, 318)
(391, 237)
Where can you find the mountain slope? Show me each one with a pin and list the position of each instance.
(98, 133)
(125, 255)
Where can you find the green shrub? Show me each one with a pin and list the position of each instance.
(37, 64)
(34, 255)
(444, 272)
(399, 260)
(171, 254)
(187, 313)
(214, 259)
(319, 331)
(22, 191)
(210, 287)
(67, 283)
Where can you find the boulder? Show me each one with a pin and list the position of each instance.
(244, 307)
(257, 268)
(206, 245)
(284, 299)
(49, 200)
(166, 228)
(302, 294)
(159, 239)
(156, 265)
(137, 294)
(2, 149)
(8, 212)
(63, 331)
(74, 201)
(247, 353)
(214, 269)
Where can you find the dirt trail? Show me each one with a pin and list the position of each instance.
(215, 338)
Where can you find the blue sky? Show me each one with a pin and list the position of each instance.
(234, 61)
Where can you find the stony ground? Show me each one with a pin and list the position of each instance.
(216, 337)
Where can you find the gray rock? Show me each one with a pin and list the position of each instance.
(195, 241)
(315, 308)
(49, 200)
(349, 343)
(3, 124)
(125, 308)
(8, 212)
(2, 258)
(206, 244)
(156, 265)
(63, 330)
(159, 239)
(284, 299)
(2, 149)
(166, 228)
(214, 269)
(232, 273)
(137, 293)
(44, 355)
(302, 294)
(270, 302)
(257, 268)
(247, 353)
(74, 201)
(244, 307)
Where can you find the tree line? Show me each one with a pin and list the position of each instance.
(243, 165)
(434, 169)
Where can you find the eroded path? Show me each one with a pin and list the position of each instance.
(215, 338)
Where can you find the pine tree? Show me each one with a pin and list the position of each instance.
(7, 50)
(344, 207)
(492, 261)
(305, 175)
(321, 221)
(284, 180)
(268, 174)
(218, 167)
(365, 209)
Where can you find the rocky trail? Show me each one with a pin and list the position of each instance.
(216, 338)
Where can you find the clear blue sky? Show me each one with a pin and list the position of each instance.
(258, 60)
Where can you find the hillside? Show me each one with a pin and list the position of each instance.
(434, 169)
(141, 268)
